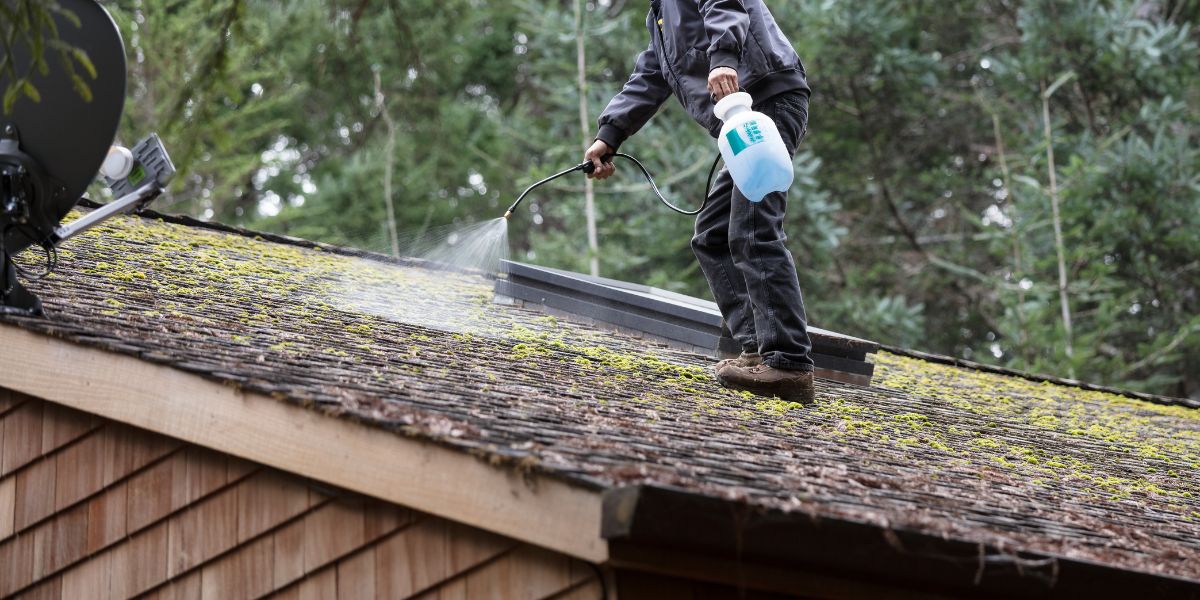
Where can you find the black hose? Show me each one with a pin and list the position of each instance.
(51, 255)
(588, 167)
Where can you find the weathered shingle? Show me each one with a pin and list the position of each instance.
(952, 451)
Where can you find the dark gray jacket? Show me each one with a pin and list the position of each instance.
(689, 38)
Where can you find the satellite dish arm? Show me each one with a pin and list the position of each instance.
(127, 203)
(149, 166)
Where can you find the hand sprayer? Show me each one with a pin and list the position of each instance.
(757, 158)
(749, 142)
(587, 167)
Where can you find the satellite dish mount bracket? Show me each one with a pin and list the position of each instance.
(21, 180)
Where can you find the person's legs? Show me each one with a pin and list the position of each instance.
(759, 251)
(711, 246)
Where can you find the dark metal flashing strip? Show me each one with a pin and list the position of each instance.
(665, 521)
(565, 284)
(608, 314)
(820, 346)
(838, 363)
(556, 293)
(641, 289)
(660, 329)
(669, 307)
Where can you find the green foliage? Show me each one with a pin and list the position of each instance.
(920, 213)
(1125, 138)
(34, 26)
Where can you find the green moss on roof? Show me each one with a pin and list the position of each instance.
(1120, 446)
(266, 283)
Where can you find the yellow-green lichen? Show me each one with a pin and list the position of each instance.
(1065, 432)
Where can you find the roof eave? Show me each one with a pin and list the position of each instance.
(413, 472)
(681, 533)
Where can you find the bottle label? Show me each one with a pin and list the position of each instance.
(743, 136)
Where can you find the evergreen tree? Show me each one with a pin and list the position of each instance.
(923, 209)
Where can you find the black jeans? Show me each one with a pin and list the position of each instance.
(741, 248)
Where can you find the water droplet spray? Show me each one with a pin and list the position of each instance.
(478, 247)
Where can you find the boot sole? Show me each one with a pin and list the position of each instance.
(803, 396)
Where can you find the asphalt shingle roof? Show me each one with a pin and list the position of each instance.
(952, 451)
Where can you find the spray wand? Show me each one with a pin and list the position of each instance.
(587, 167)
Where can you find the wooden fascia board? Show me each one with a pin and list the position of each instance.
(414, 473)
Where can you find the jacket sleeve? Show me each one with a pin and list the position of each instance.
(637, 101)
(726, 23)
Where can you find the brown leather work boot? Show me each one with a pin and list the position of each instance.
(745, 359)
(765, 380)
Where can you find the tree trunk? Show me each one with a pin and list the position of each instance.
(1018, 267)
(389, 158)
(585, 129)
(1058, 237)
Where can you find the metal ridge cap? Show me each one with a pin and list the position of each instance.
(617, 283)
(654, 299)
(575, 284)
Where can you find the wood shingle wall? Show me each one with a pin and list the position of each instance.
(91, 508)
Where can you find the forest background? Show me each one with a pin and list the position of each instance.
(1006, 181)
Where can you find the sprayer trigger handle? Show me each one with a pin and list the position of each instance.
(588, 166)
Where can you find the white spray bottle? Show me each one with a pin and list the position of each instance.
(756, 156)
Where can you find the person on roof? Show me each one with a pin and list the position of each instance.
(702, 52)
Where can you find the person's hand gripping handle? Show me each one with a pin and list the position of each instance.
(722, 81)
(600, 155)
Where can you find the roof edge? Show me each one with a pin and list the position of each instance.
(287, 240)
(421, 474)
(1038, 377)
(646, 524)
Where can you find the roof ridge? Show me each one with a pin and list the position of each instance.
(1039, 377)
(189, 221)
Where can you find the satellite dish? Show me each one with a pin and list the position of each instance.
(52, 148)
(62, 132)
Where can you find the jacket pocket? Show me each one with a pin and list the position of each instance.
(795, 103)
(791, 118)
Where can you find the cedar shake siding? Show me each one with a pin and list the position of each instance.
(91, 508)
